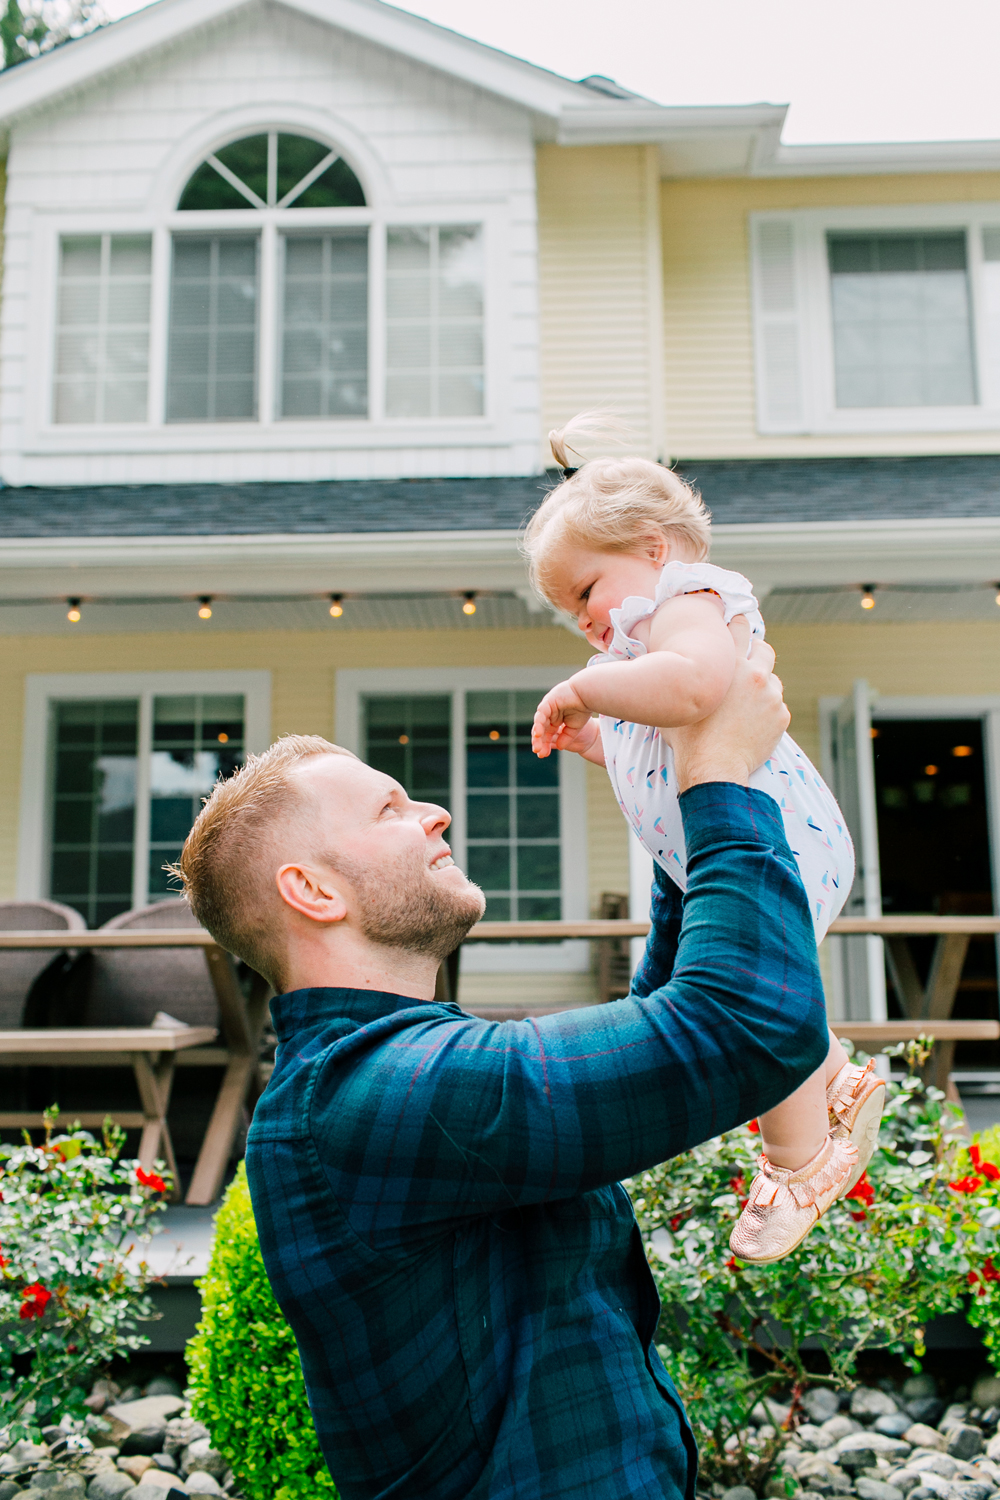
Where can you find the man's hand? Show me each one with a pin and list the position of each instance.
(563, 722)
(743, 731)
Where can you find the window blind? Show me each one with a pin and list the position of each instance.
(324, 364)
(434, 316)
(102, 342)
(212, 375)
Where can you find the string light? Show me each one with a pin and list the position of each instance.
(469, 607)
(997, 587)
(205, 607)
(336, 608)
(930, 770)
(868, 596)
(73, 613)
(962, 752)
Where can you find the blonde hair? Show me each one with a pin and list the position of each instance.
(224, 867)
(610, 505)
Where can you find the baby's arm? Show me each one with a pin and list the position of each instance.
(684, 677)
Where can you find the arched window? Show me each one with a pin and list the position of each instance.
(273, 170)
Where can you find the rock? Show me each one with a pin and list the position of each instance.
(935, 1463)
(59, 1479)
(109, 1486)
(774, 1489)
(165, 1461)
(8, 1489)
(181, 1432)
(918, 1385)
(957, 1412)
(922, 1436)
(147, 1440)
(111, 1432)
(739, 1492)
(986, 1391)
(201, 1455)
(964, 1441)
(162, 1482)
(922, 1492)
(836, 1428)
(135, 1466)
(868, 1403)
(884, 1447)
(971, 1490)
(809, 1437)
(821, 1404)
(874, 1489)
(201, 1483)
(926, 1409)
(146, 1491)
(855, 1459)
(149, 1411)
(163, 1385)
(906, 1480)
(23, 1452)
(993, 1448)
(896, 1426)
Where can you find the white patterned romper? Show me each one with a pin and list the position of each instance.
(641, 764)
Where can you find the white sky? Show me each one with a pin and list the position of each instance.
(852, 70)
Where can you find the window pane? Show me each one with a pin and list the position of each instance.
(409, 738)
(434, 318)
(213, 329)
(512, 810)
(901, 321)
(247, 160)
(103, 328)
(198, 738)
(325, 339)
(93, 806)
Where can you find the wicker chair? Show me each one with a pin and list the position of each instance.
(18, 971)
(128, 986)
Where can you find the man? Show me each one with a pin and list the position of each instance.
(438, 1196)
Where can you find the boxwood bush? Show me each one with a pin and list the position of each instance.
(245, 1376)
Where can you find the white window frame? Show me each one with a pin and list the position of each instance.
(807, 322)
(43, 690)
(266, 431)
(492, 958)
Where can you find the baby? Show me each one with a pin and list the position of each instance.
(621, 544)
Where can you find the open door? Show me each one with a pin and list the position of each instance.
(857, 963)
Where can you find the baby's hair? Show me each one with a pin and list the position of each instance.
(611, 505)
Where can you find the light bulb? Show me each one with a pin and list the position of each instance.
(73, 613)
(205, 607)
(868, 596)
(997, 587)
(469, 607)
(336, 608)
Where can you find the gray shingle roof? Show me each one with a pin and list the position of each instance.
(736, 490)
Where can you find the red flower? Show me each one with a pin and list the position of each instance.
(863, 1191)
(738, 1185)
(731, 1264)
(34, 1300)
(753, 1127)
(676, 1221)
(966, 1185)
(986, 1167)
(151, 1180)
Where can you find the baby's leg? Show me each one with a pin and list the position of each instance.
(795, 1129)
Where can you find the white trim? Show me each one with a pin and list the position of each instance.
(568, 957)
(819, 412)
(41, 690)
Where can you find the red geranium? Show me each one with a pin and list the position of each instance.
(151, 1180)
(966, 1185)
(34, 1300)
(864, 1193)
(986, 1167)
(753, 1127)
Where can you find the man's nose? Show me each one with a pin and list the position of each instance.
(434, 819)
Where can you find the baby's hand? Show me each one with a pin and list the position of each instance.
(563, 722)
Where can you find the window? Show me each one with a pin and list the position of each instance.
(93, 806)
(273, 170)
(434, 313)
(213, 329)
(901, 327)
(324, 355)
(877, 320)
(197, 738)
(102, 338)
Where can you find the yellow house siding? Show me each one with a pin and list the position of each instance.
(708, 331)
(598, 292)
(607, 839)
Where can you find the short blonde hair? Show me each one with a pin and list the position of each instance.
(611, 505)
(224, 865)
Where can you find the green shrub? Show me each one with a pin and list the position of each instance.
(900, 1250)
(246, 1379)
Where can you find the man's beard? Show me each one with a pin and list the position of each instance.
(404, 907)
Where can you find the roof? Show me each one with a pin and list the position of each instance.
(703, 140)
(738, 492)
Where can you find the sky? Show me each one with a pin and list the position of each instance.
(851, 70)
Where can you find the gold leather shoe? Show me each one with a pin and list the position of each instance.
(855, 1099)
(784, 1205)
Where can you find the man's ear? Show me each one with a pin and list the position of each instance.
(311, 892)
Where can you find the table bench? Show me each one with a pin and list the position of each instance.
(242, 1020)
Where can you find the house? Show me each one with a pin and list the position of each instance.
(292, 292)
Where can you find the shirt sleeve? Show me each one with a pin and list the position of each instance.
(451, 1116)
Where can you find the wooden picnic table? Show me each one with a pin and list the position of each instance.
(242, 1021)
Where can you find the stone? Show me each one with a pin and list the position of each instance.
(135, 1466)
(855, 1459)
(926, 1409)
(993, 1448)
(884, 1447)
(895, 1426)
(201, 1483)
(60, 1479)
(146, 1491)
(868, 1403)
(906, 1480)
(147, 1440)
(23, 1452)
(739, 1492)
(837, 1428)
(875, 1489)
(918, 1385)
(935, 1463)
(922, 1436)
(956, 1412)
(8, 1489)
(109, 1486)
(808, 1436)
(964, 1441)
(820, 1404)
(165, 1461)
(201, 1455)
(110, 1433)
(160, 1481)
(181, 1432)
(970, 1490)
(922, 1492)
(148, 1411)
(163, 1385)
(986, 1391)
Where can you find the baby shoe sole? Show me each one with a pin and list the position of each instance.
(767, 1260)
(863, 1135)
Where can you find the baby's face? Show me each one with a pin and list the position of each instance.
(590, 585)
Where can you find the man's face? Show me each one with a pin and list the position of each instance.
(388, 856)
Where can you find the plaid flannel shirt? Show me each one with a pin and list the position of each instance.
(438, 1196)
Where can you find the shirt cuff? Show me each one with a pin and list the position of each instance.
(716, 813)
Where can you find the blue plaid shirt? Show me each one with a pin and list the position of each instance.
(438, 1196)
